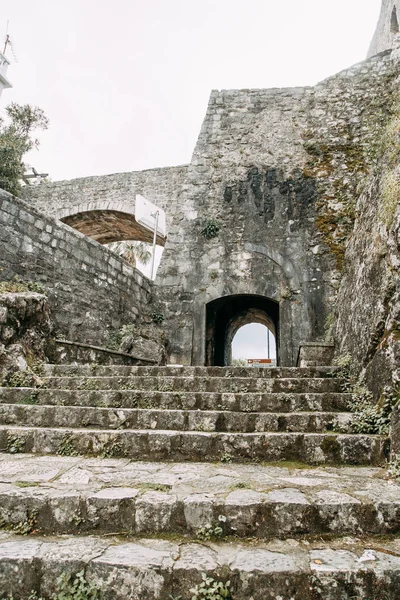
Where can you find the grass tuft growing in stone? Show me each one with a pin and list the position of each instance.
(69, 587)
(390, 197)
(66, 446)
(22, 527)
(394, 467)
(15, 444)
(16, 285)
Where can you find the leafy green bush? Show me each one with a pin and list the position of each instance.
(344, 364)
(369, 417)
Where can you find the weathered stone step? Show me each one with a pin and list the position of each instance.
(55, 495)
(311, 448)
(240, 401)
(157, 569)
(197, 384)
(171, 371)
(178, 420)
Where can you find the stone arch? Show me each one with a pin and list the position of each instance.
(107, 222)
(224, 316)
(394, 22)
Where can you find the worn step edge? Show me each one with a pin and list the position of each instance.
(177, 420)
(156, 569)
(234, 401)
(310, 448)
(213, 384)
(187, 371)
(278, 513)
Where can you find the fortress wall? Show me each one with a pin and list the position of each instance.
(280, 170)
(90, 289)
(160, 186)
(385, 31)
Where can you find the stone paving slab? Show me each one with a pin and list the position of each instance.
(178, 420)
(156, 569)
(72, 495)
(311, 448)
(198, 384)
(240, 402)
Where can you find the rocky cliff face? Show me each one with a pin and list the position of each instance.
(368, 306)
(367, 315)
(25, 328)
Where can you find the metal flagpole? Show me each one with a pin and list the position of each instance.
(269, 352)
(156, 215)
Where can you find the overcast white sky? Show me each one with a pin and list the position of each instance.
(126, 83)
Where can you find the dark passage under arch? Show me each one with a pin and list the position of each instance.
(227, 314)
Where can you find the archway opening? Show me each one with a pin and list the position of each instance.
(253, 345)
(106, 226)
(394, 22)
(226, 315)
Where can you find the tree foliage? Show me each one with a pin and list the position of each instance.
(16, 139)
(132, 252)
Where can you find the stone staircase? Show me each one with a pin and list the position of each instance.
(147, 477)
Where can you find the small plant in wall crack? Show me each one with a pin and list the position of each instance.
(344, 364)
(210, 589)
(394, 467)
(211, 228)
(76, 587)
(157, 316)
(215, 531)
(213, 275)
(68, 587)
(67, 447)
(15, 444)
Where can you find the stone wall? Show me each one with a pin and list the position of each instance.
(280, 171)
(368, 306)
(160, 186)
(367, 315)
(387, 28)
(90, 289)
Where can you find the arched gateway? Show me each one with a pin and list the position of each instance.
(227, 314)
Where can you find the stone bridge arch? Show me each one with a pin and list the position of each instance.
(107, 222)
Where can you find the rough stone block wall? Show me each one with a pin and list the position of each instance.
(160, 186)
(367, 315)
(90, 289)
(279, 170)
(368, 306)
